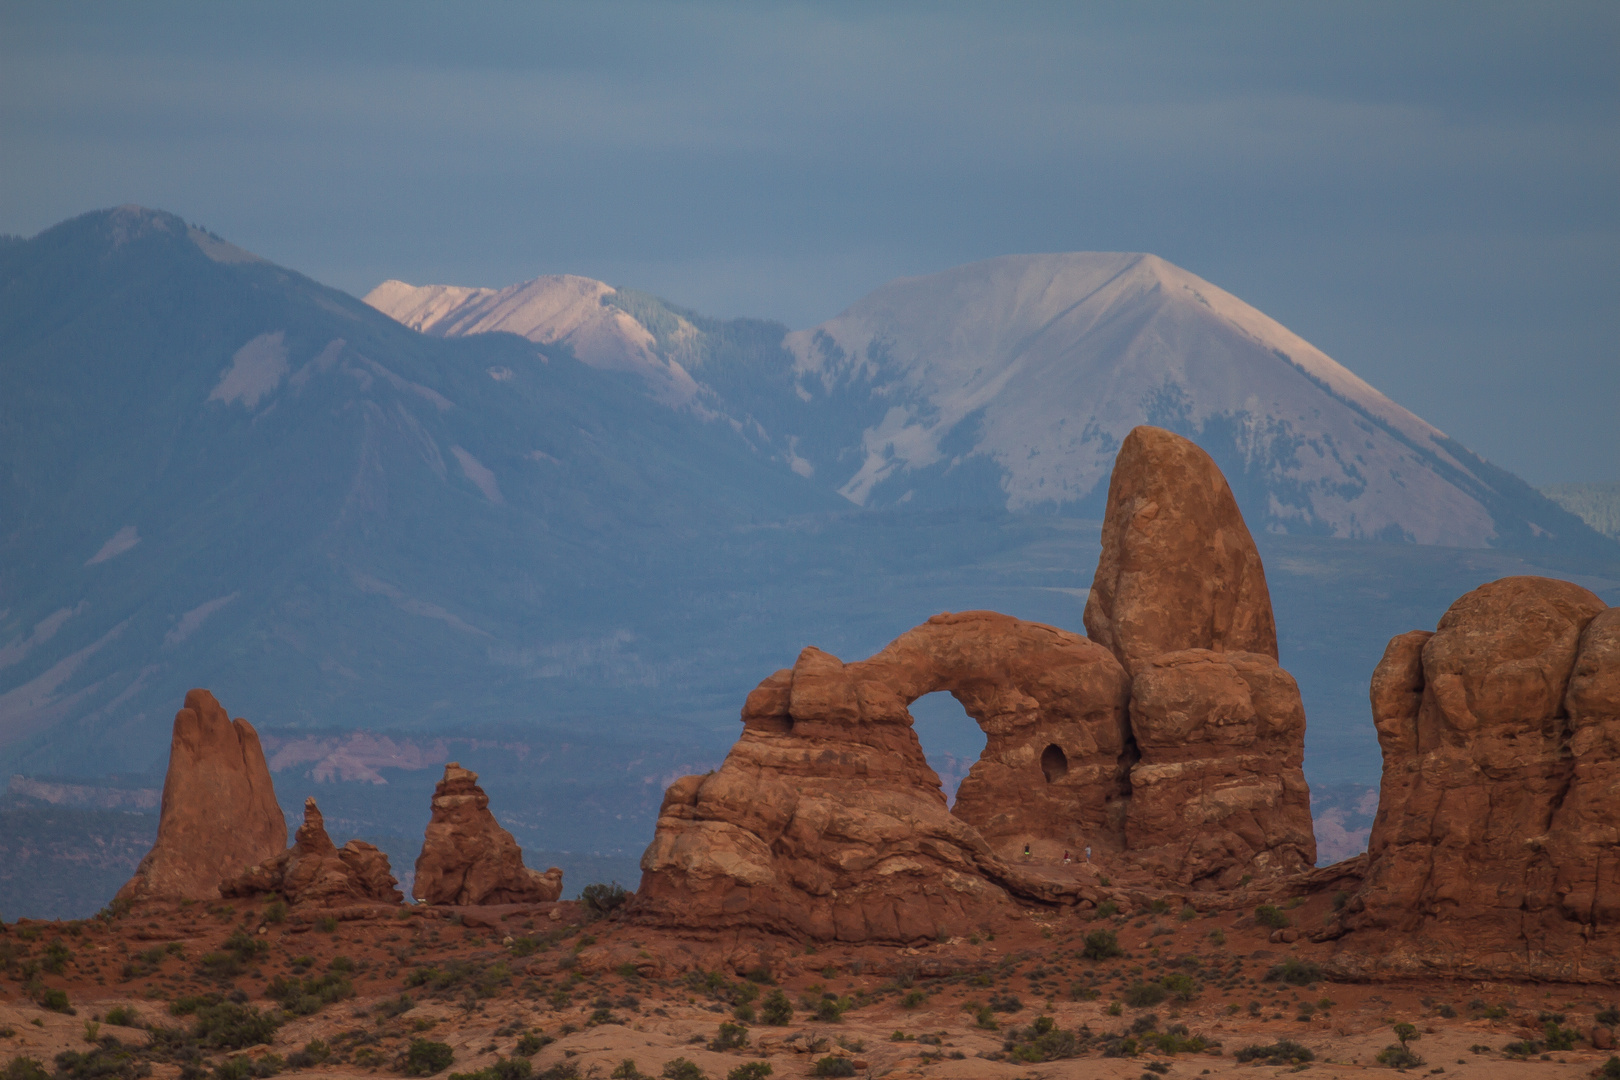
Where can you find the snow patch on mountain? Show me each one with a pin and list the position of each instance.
(256, 370)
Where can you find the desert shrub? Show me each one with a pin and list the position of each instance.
(1559, 1038)
(56, 1000)
(1140, 994)
(1270, 915)
(1609, 1017)
(314, 1052)
(225, 1025)
(753, 1070)
(503, 1069)
(627, 1071)
(57, 954)
(1179, 986)
(1295, 972)
(1101, 945)
(912, 999)
(1044, 1041)
(602, 898)
(532, 1043)
(24, 1068)
(525, 946)
(1610, 1070)
(682, 1069)
(242, 1067)
(1399, 1056)
(777, 1010)
(564, 1070)
(730, 1037)
(1107, 909)
(1007, 1003)
(111, 1060)
(276, 911)
(833, 1066)
(425, 1057)
(303, 997)
(123, 1016)
(1281, 1052)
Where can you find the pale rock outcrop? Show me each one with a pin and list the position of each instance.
(219, 811)
(316, 871)
(467, 858)
(1496, 849)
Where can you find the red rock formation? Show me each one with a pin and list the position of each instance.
(1219, 792)
(1180, 597)
(219, 808)
(467, 858)
(826, 821)
(315, 871)
(1178, 569)
(1494, 850)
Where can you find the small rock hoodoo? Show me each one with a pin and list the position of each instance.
(316, 871)
(1496, 849)
(219, 811)
(467, 858)
(1170, 743)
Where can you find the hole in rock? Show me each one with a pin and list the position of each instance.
(951, 739)
(1054, 762)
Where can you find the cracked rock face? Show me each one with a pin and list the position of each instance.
(467, 858)
(316, 871)
(219, 810)
(1496, 849)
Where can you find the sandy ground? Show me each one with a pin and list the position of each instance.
(546, 984)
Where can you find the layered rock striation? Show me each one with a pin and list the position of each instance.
(219, 811)
(1496, 849)
(467, 858)
(316, 871)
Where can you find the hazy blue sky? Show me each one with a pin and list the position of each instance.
(1430, 192)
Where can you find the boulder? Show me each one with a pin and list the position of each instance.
(467, 858)
(1178, 568)
(219, 812)
(1219, 792)
(825, 821)
(1493, 851)
(315, 871)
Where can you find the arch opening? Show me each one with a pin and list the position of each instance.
(1054, 762)
(952, 741)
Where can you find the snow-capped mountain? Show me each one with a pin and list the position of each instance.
(1011, 382)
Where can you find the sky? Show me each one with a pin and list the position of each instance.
(1428, 192)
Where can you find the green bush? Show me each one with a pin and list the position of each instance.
(1295, 972)
(1140, 995)
(1281, 1052)
(1399, 1056)
(833, 1066)
(503, 1069)
(1044, 1041)
(24, 1068)
(681, 1069)
(777, 1010)
(314, 1052)
(602, 898)
(627, 1071)
(57, 955)
(1559, 1038)
(1107, 909)
(56, 1001)
(245, 947)
(532, 1043)
(425, 1057)
(303, 997)
(1610, 1071)
(1270, 915)
(730, 1037)
(1609, 1017)
(225, 1025)
(242, 1067)
(753, 1070)
(1101, 945)
(912, 999)
(109, 1061)
(1180, 986)
(123, 1016)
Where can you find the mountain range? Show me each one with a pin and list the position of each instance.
(560, 530)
